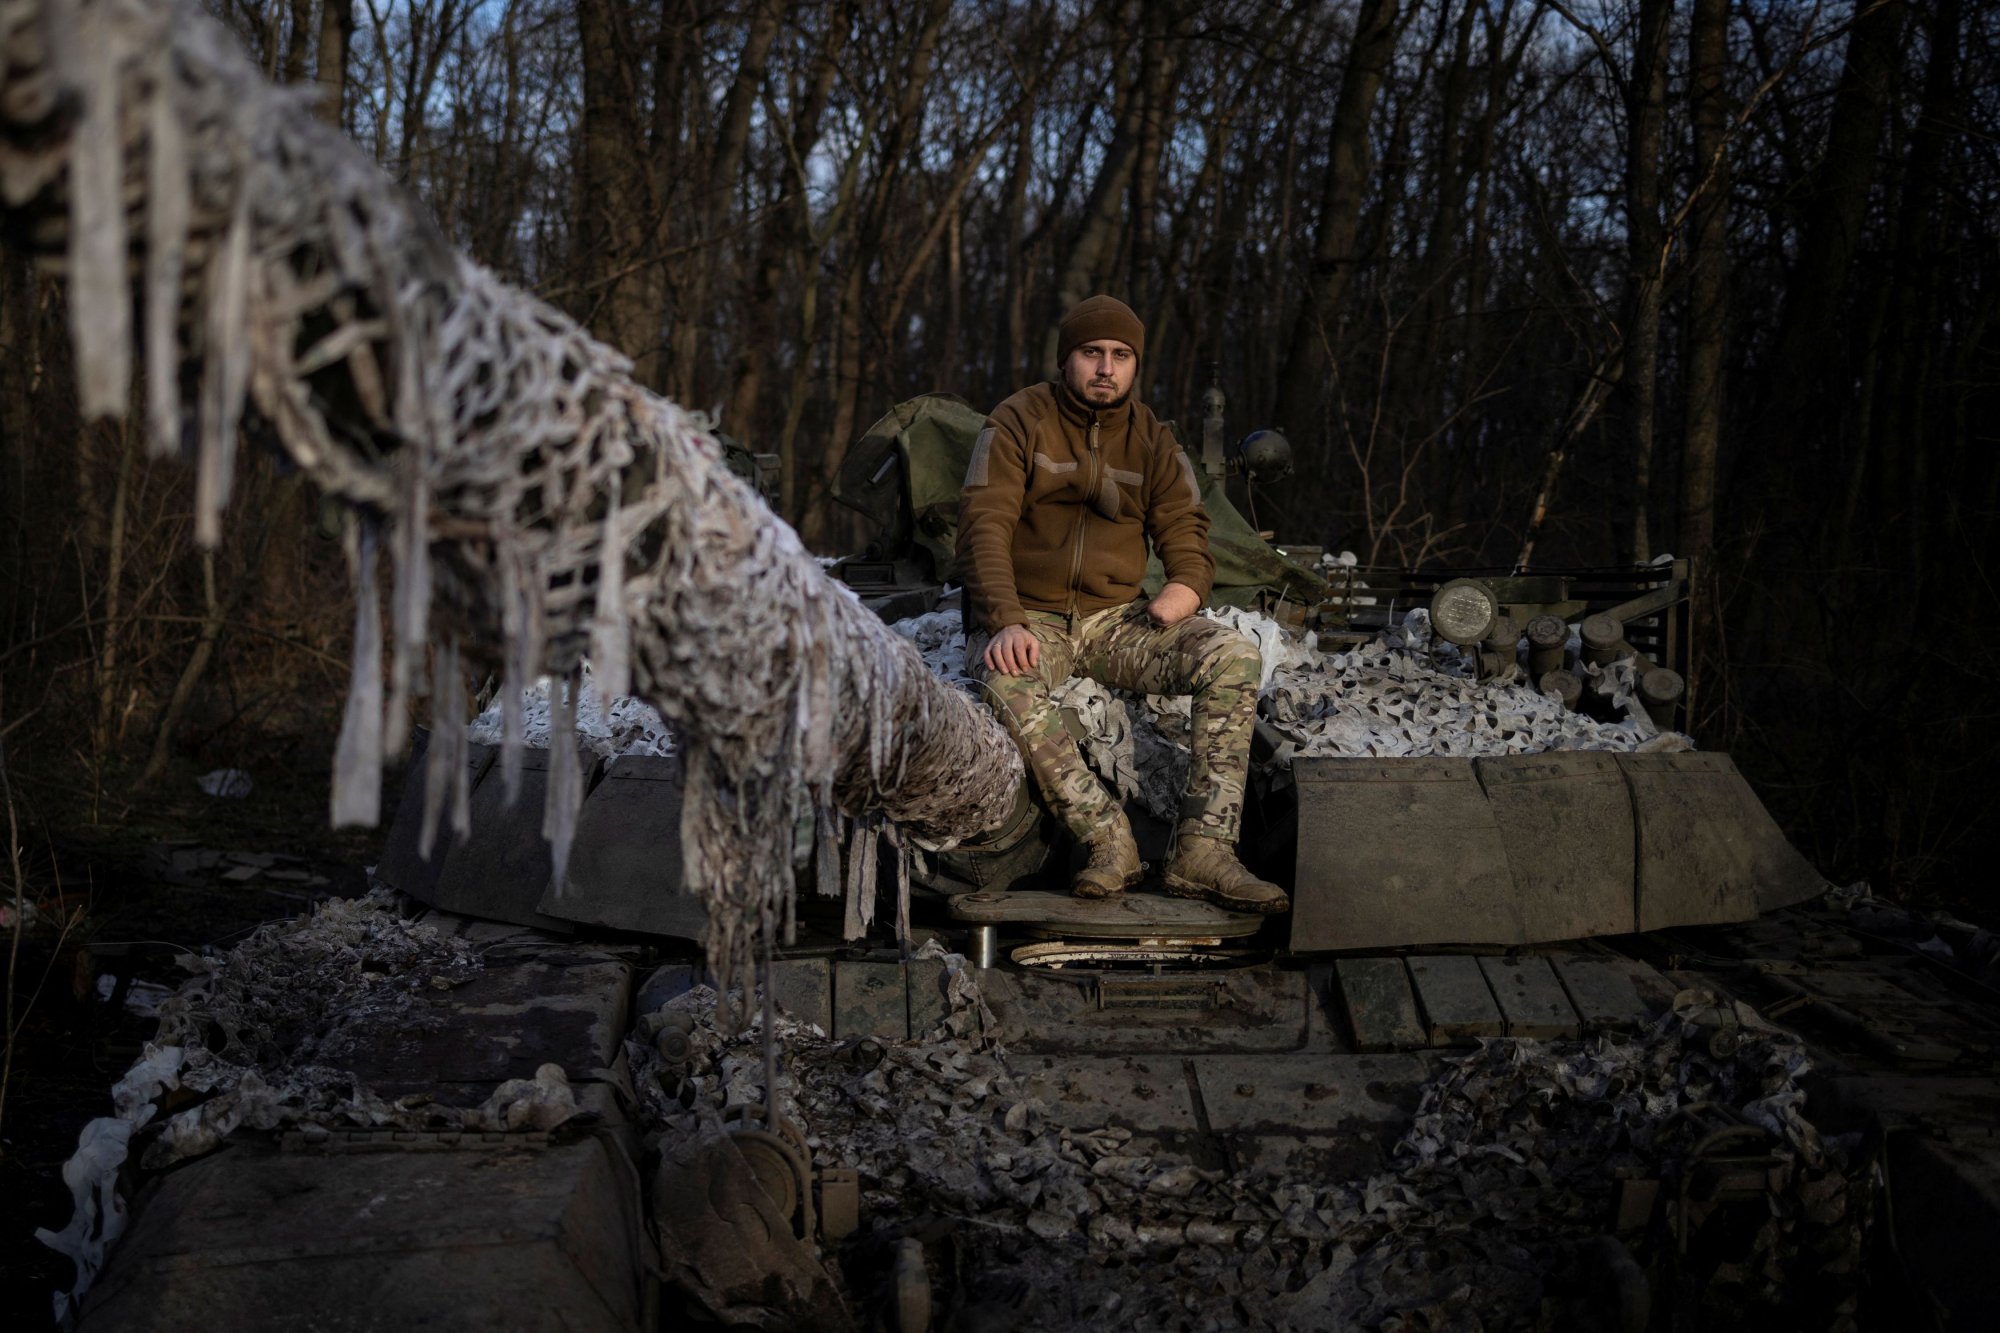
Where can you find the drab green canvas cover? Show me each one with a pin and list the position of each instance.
(928, 440)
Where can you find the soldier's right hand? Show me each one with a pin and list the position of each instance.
(1014, 651)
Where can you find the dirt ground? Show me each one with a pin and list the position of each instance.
(176, 875)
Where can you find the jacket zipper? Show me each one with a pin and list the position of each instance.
(1082, 521)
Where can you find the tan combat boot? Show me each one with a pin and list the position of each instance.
(1208, 868)
(1114, 864)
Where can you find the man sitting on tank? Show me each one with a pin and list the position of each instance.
(1068, 481)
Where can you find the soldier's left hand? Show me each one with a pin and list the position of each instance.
(1175, 603)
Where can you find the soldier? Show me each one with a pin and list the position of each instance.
(1067, 481)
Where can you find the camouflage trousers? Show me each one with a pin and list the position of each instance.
(1120, 647)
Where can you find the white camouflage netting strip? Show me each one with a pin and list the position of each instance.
(630, 726)
(1479, 1218)
(531, 496)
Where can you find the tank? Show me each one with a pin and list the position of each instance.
(1553, 1037)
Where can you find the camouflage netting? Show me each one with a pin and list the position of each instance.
(1489, 1212)
(606, 728)
(1403, 694)
(1399, 695)
(537, 504)
(263, 1037)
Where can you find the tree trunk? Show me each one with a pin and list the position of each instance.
(191, 673)
(1462, 504)
(1589, 401)
(1376, 27)
(1155, 124)
(844, 389)
(336, 37)
(757, 340)
(720, 185)
(19, 353)
(1708, 317)
(624, 284)
(1225, 222)
(947, 358)
(1847, 527)
(1414, 383)
(112, 636)
(295, 41)
(812, 248)
(1270, 377)
(1913, 437)
(1645, 260)
(787, 232)
(432, 33)
(868, 237)
(1098, 225)
(903, 275)
(1833, 207)
(794, 472)
(1013, 232)
(733, 134)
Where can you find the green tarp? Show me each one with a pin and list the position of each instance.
(906, 471)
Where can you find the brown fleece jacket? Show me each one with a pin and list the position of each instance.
(1059, 502)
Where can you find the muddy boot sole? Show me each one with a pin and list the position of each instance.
(1259, 906)
(1095, 889)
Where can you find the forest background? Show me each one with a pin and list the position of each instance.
(1731, 264)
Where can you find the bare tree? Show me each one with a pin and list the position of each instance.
(620, 219)
(1708, 311)
(1646, 256)
(1832, 208)
(1376, 27)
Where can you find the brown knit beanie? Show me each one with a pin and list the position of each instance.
(1099, 317)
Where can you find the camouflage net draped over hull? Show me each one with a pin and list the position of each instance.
(1489, 1212)
(549, 505)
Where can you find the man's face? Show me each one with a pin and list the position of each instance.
(1100, 372)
